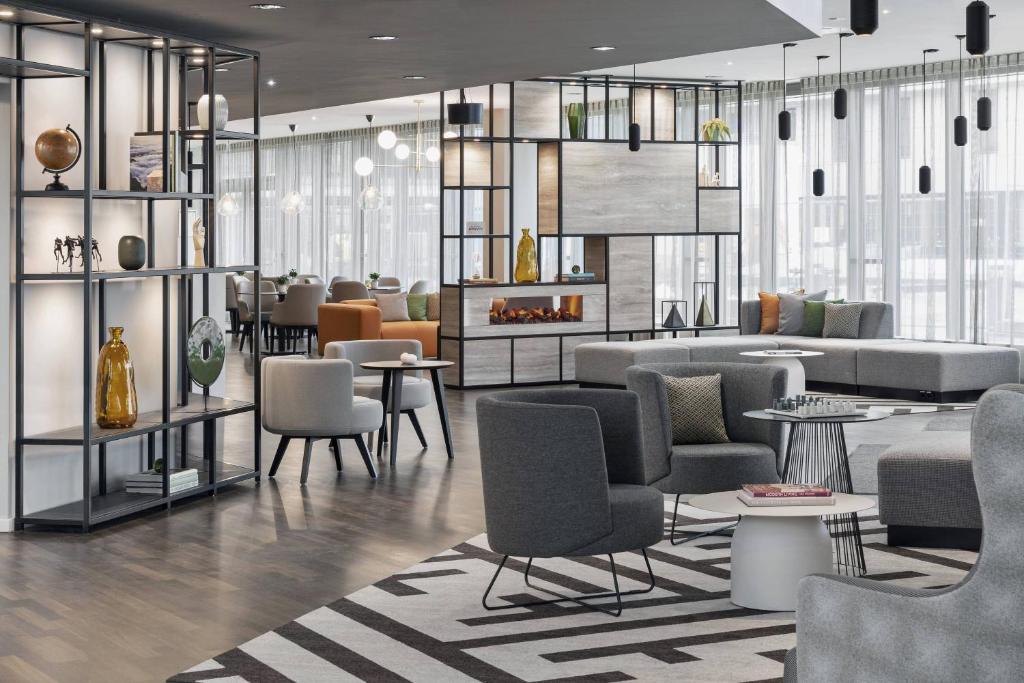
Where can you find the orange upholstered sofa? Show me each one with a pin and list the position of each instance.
(361, 319)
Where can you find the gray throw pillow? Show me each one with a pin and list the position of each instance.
(695, 406)
(842, 321)
(393, 307)
(791, 310)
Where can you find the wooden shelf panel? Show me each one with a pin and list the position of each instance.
(132, 274)
(20, 68)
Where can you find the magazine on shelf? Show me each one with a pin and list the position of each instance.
(786, 490)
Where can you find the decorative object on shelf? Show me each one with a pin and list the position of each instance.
(960, 121)
(673, 319)
(634, 127)
(227, 205)
(526, 259)
(818, 176)
(199, 243)
(465, 113)
(58, 150)
(374, 277)
(924, 174)
(70, 243)
(863, 17)
(716, 180)
(204, 351)
(785, 117)
(715, 130)
(408, 358)
(575, 269)
(58, 251)
(293, 203)
(704, 316)
(293, 275)
(977, 27)
(117, 406)
(220, 114)
(131, 252)
(370, 199)
(576, 115)
(704, 178)
(839, 96)
(64, 251)
(146, 163)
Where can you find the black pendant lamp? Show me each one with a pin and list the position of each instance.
(839, 96)
(977, 27)
(785, 118)
(984, 117)
(863, 17)
(818, 177)
(924, 174)
(465, 113)
(960, 121)
(634, 127)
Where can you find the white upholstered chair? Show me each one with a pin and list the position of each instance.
(312, 400)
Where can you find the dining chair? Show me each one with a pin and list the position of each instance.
(346, 290)
(246, 306)
(389, 281)
(420, 287)
(296, 316)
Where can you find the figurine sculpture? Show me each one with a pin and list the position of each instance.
(199, 242)
(65, 254)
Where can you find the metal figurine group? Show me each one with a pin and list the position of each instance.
(65, 254)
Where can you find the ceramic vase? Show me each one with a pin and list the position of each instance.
(526, 259)
(131, 252)
(117, 406)
(220, 115)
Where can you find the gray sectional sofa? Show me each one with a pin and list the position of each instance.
(875, 364)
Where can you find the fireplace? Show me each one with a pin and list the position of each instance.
(536, 310)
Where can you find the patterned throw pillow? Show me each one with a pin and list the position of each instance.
(393, 307)
(695, 406)
(814, 317)
(842, 321)
(417, 306)
(791, 311)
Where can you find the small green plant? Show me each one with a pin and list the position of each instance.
(293, 273)
(576, 115)
(715, 130)
(282, 280)
(374, 276)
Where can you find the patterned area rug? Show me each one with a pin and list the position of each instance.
(426, 624)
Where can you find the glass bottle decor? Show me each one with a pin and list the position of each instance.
(526, 259)
(116, 403)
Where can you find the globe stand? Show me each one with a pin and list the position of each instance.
(56, 185)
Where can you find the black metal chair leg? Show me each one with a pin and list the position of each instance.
(279, 455)
(720, 531)
(307, 453)
(367, 460)
(336, 447)
(416, 426)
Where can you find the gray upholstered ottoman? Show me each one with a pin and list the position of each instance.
(952, 371)
(605, 363)
(926, 493)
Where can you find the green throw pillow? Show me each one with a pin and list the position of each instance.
(418, 307)
(814, 317)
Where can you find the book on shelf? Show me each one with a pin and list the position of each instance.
(786, 491)
(157, 490)
(478, 281)
(152, 476)
(577, 277)
(756, 502)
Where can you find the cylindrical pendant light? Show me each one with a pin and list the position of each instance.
(863, 16)
(977, 27)
(785, 118)
(984, 116)
(960, 121)
(634, 127)
(839, 96)
(818, 176)
(924, 174)
(465, 113)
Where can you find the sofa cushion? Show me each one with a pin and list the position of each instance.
(841, 320)
(791, 310)
(606, 362)
(937, 366)
(769, 312)
(814, 317)
(695, 407)
(423, 330)
(708, 468)
(434, 306)
(725, 349)
(417, 306)
(638, 519)
(417, 392)
(393, 307)
(839, 364)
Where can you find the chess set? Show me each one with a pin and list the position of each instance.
(805, 406)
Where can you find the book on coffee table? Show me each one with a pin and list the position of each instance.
(786, 491)
(777, 501)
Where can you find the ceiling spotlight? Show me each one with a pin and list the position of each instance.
(383, 38)
(603, 48)
(222, 68)
(312, 118)
(5, 13)
(414, 78)
(198, 60)
(271, 83)
(197, 51)
(97, 31)
(266, 5)
(886, 11)
(157, 43)
(728, 63)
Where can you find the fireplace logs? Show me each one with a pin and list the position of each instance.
(536, 314)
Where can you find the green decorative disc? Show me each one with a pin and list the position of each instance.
(205, 351)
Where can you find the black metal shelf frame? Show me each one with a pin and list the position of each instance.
(188, 407)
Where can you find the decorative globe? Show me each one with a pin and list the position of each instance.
(57, 149)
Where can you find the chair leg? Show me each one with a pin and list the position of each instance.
(367, 460)
(720, 531)
(309, 342)
(279, 455)
(336, 447)
(306, 455)
(416, 426)
(582, 600)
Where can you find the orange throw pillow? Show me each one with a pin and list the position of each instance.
(769, 312)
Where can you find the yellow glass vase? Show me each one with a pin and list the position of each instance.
(116, 403)
(526, 259)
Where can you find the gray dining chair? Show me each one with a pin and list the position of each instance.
(310, 279)
(754, 454)
(388, 281)
(246, 307)
(420, 287)
(856, 629)
(296, 316)
(345, 290)
(231, 300)
(563, 476)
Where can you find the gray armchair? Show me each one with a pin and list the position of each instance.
(754, 454)
(563, 476)
(851, 629)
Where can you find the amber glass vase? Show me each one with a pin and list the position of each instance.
(526, 259)
(116, 403)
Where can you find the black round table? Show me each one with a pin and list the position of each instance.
(391, 397)
(816, 453)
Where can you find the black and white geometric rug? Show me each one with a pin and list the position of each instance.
(427, 624)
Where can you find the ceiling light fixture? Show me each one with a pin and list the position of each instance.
(293, 203)
(977, 27)
(924, 174)
(818, 176)
(97, 31)
(387, 139)
(157, 43)
(886, 11)
(271, 83)
(634, 127)
(413, 77)
(960, 121)
(984, 116)
(6, 13)
(603, 48)
(785, 118)
(198, 60)
(383, 38)
(839, 96)
(266, 5)
(364, 166)
(465, 112)
(863, 17)
(197, 50)
(222, 68)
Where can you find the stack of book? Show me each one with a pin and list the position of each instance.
(771, 495)
(578, 277)
(152, 481)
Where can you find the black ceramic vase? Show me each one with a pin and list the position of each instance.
(131, 252)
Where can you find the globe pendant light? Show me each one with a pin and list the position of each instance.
(924, 174)
(293, 203)
(634, 127)
(818, 176)
(863, 17)
(960, 121)
(839, 96)
(785, 118)
(977, 27)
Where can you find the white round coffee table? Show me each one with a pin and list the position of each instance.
(796, 382)
(774, 547)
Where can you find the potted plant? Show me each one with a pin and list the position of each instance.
(715, 130)
(292, 274)
(373, 280)
(576, 115)
(282, 283)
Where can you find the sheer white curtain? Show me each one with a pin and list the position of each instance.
(334, 235)
(951, 261)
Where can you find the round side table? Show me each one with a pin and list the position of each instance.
(774, 547)
(796, 379)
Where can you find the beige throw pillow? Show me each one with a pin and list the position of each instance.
(434, 306)
(695, 406)
(393, 307)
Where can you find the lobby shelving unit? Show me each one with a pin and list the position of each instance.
(180, 405)
(615, 205)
